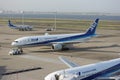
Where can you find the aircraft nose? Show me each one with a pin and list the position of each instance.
(49, 78)
(13, 44)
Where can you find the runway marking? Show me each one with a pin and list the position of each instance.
(45, 59)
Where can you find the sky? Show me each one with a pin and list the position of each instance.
(106, 6)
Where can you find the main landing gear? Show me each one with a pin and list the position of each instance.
(17, 51)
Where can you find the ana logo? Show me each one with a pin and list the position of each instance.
(93, 26)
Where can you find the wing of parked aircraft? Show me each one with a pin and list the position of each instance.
(68, 63)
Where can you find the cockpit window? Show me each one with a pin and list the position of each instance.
(16, 41)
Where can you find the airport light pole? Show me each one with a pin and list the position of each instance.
(55, 21)
(22, 12)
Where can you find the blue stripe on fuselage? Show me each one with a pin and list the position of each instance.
(104, 72)
(70, 38)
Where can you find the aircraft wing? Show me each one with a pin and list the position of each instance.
(68, 63)
(68, 42)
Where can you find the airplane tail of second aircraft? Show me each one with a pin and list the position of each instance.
(92, 29)
(10, 24)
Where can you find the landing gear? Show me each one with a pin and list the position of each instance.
(16, 51)
(63, 49)
(67, 47)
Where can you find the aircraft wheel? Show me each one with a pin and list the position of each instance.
(63, 49)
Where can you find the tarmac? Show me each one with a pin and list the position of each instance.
(104, 47)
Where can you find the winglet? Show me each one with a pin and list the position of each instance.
(68, 63)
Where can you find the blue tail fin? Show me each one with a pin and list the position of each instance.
(10, 24)
(92, 28)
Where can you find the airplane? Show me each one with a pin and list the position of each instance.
(104, 69)
(58, 41)
(20, 27)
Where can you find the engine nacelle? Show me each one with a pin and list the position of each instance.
(57, 47)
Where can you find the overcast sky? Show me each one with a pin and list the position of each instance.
(108, 6)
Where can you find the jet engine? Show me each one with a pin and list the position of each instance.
(57, 47)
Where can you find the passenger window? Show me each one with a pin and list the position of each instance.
(57, 77)
(79, 73)
(34, 39)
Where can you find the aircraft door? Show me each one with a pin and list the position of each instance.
(57, 77)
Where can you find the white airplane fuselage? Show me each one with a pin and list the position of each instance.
(47, 40)
(20, 27)
(87, 72)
